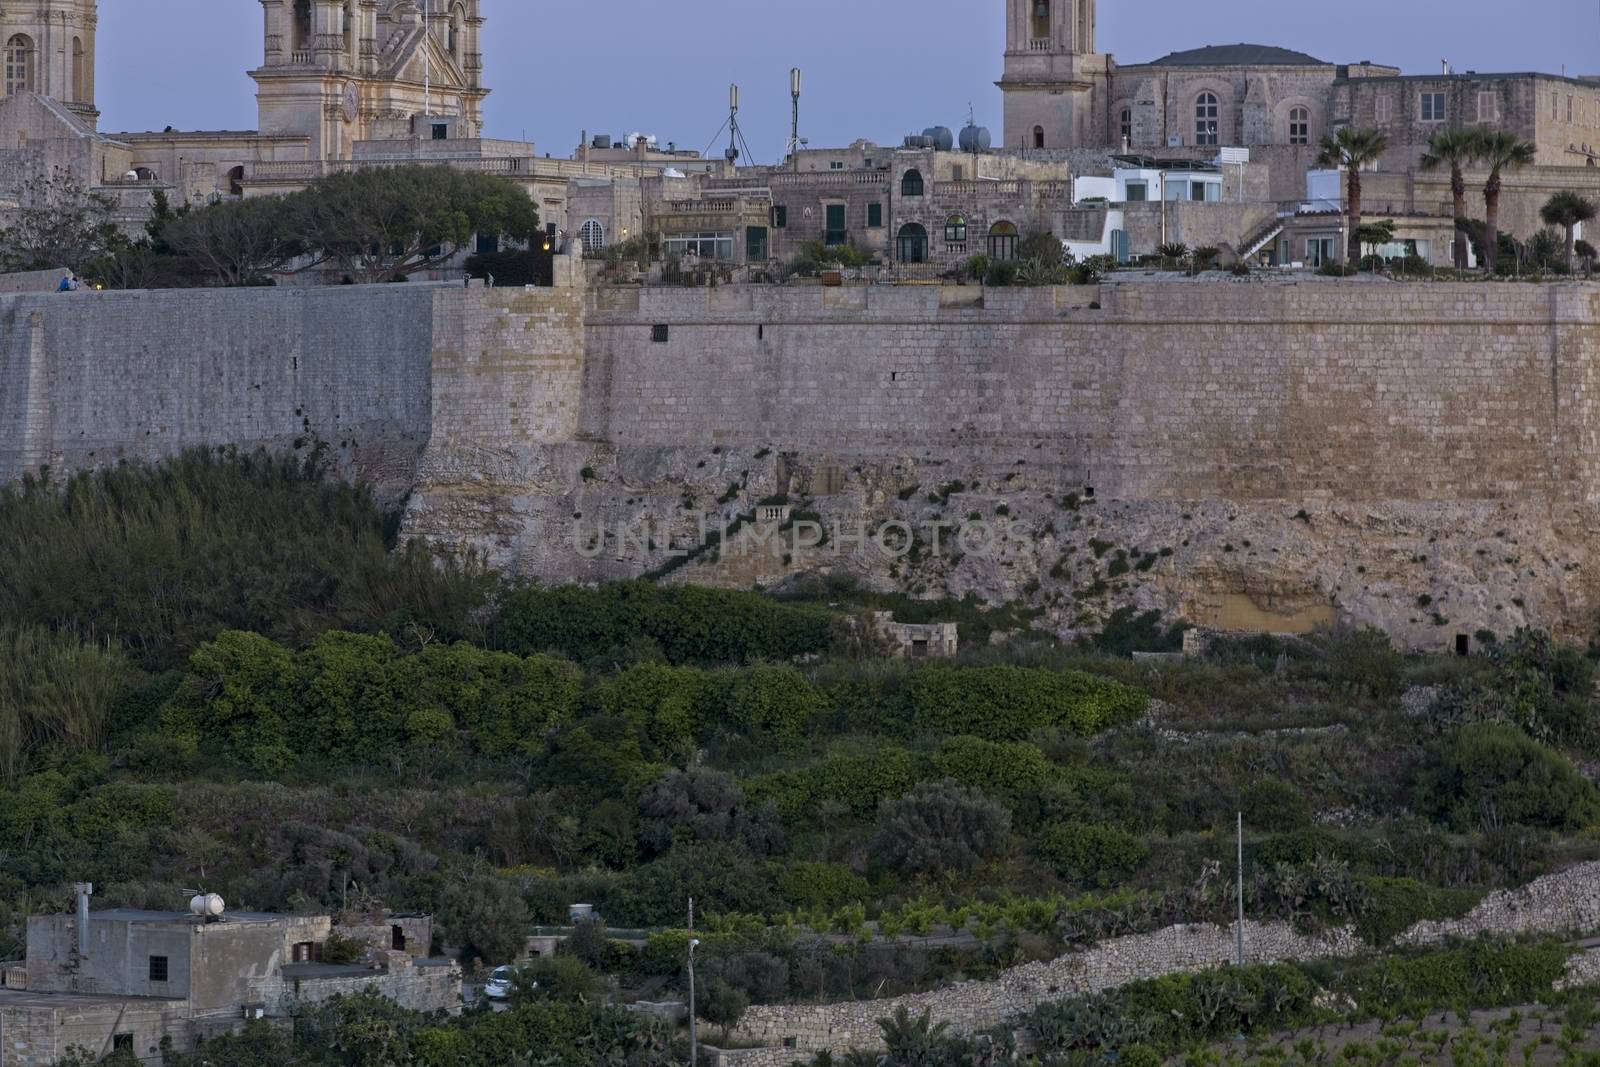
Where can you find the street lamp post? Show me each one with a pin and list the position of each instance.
(694, 1051)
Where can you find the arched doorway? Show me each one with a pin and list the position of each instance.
(912, 243)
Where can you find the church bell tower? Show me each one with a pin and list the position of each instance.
(49, 50)
(1053, 75)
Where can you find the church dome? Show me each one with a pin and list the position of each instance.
(1238, 55)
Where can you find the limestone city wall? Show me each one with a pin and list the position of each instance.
(1244, 392)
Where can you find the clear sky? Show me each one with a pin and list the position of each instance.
(874, 68)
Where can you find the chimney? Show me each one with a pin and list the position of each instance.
(85, 890)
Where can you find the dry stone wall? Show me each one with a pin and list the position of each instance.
(974, 1006)
(1565, 904)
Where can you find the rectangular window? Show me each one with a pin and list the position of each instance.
(834, 233)
(835, 165)
(780, 216)
(874, 216)
(1138, 192)
(1569, 107)
(441, 131)
(158, 968)
(660, 333)
(1555, 106)
(1383, 108)
(1432, 107)
(1488, 107)
(1197, 191)
(121, 1041)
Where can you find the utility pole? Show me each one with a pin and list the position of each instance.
(1241, 889)
(694, 943)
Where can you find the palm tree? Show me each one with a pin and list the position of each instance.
(1499, 151)
(1457, 149)
(1353, 149)
(1568, 210)
(911, 1040)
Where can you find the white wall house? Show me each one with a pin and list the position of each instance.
(1140, 184)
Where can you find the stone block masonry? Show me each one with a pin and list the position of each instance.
(1302, 450)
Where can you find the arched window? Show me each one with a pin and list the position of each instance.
(1038, 137)
(1127, 125)
(1041, 20)
(1003, 240)
(302, 25)
(1299, 126)
(955, 230)
(80, 81)
(19, 64)
(911, 184)
(1206, 115)
(236, 181)
(913, 243)
(458, 21)
(594, 235)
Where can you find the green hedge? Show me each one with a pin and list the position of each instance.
(686, 623)
(351, 698)
(1494, 773)
(1009, 703)
(1091, 856)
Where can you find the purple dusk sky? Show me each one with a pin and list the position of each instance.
(874, 68)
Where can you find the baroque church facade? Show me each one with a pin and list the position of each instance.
(334, 74)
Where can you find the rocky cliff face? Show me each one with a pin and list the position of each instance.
(1009, 530)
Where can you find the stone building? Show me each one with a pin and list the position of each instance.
(127, 979)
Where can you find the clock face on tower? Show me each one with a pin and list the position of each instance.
(352, 102)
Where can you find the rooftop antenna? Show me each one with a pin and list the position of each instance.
(794, 118)
(737, 145)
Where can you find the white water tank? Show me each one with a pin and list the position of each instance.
(207, 906)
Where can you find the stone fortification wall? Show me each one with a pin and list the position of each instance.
(94, 378)
(1255, 391)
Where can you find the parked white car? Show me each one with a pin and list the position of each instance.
(498, 987)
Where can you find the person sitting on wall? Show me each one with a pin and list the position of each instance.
(66, 285)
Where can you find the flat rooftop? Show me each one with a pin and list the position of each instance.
(29, 999)
(139, 915)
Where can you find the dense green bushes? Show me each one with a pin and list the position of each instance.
(164, 557)
(1008, 703)
(55, 691)
(1091, 856)
(353, 699)
(685, 624)
(1494, 774)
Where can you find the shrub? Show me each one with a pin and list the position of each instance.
(1397, 904)
(858, 783)
(213, 541)
(56, 692)
(820, 885)
(940, 827)
(484, 916)
(1007, 703)
(1273, 804)
(1010, 771)
(560, 978)
(1090, 856)
(689, 624)
(773, 704)
(1494, 774)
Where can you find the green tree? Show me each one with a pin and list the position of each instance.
(54, 691)
(1352, 149)
(238, 242)
(482, 914)
(58, 223)
(1500, 151)
(1568, 210)
(1457, 149)
(379, 223)
(940, 827)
